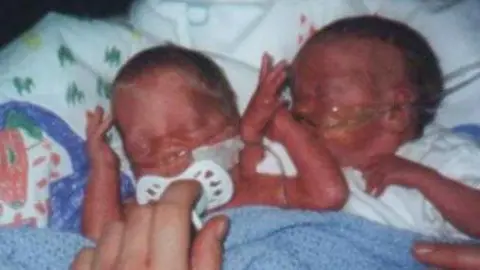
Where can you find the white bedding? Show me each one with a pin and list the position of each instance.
(38, 67)
(244, 29)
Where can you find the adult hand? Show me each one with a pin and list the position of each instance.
(450, 256)
(158, 236)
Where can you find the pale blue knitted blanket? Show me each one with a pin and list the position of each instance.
(260, 238)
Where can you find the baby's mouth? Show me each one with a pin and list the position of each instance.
(173, 167)
(164, 168)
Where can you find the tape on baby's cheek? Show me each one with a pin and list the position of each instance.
(224, 154)
(342, 137)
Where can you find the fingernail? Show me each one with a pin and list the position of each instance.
(222, 229)
(374, 192)
(423, 250)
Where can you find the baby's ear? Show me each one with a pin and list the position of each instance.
(399, 116)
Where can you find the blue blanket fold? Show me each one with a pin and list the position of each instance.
(38, 249)
(260, 238)
(267, 238)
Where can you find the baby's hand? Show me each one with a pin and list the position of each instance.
(265, 100)
(393, 170)
(283, 124)
(259, 112)
(99, 151)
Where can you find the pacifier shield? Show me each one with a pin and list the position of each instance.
(216, 183)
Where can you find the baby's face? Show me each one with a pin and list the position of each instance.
(170, 118)
(342, 92)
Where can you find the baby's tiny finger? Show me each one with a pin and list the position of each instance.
(371, 183)
(378, 190)
(263, 67)
(274, 80)
(279, 80)
(105, 125)
(269, 62)
(279, 68)
(369, 187)
(378, 183)
(89, 128)
(95, 118)
(99, 110)
(278, 72)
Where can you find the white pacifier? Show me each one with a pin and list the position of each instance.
(217, 187)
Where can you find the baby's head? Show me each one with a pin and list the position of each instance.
(168, 101)
(366, 85)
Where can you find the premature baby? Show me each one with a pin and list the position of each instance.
(168, 102)
(364, 90)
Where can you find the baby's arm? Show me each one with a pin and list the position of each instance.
(458, 203)
(102, 202)
(259, 112)
(320, 184)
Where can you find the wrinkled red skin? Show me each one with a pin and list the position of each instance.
(319, 184)
(158, 114)
(307, 190)
(348, 72)
(317, 154)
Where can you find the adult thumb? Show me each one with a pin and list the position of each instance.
(451, 256)
(207, 247)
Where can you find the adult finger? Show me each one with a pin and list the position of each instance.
(129, 205)
(83, 260)
(135, 243)
(171, 226)
(454, 256)
(108, 246)
(207, 248)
